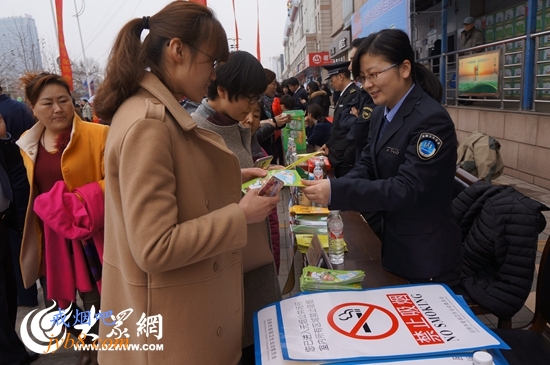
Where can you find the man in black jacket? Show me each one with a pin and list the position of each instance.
(12, 350)
(18, 118)
(299, 94)
(337, 147)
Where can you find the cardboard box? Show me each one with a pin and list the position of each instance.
(519, 29)
(508, 29)
(489, 20)
(499, 17)
(489, 35)
(520, 11)
(544, 82)
(499, 32)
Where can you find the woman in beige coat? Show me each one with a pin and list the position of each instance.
(175, 220)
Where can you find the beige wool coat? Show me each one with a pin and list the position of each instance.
(173, 234)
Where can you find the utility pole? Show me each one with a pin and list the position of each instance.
(82, 45)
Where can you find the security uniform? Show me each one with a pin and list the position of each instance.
(407, 174)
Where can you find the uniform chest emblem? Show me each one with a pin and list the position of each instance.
(367, 111)
(427, 146)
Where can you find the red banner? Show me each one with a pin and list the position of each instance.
(64, 61)
(202, 2)
(258, 32)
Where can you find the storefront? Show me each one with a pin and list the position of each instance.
(312, 67)
(338, 50)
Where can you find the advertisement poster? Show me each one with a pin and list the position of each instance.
(479, 74)
(376, 15)
(268, 348)
(423, 320)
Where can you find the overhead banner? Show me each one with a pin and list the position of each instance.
(479, 74)
(400, 322)
(64, 61)
(376, 15)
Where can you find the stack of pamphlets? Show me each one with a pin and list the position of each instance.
(317, 278)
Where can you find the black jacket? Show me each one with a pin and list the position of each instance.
(320, 133)
(300, 93)
(500, 228)
(358, 134)
(337, 144)
(411, 185)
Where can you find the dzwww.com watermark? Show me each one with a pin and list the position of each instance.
(47, 331)
(100, 344)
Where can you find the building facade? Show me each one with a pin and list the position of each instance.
(19, 48)
(307, 36)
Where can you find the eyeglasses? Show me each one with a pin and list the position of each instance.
(374, 75)
(215, 63)
(254, 99)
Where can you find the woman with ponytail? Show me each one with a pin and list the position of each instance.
(175, 221)
(407, 169)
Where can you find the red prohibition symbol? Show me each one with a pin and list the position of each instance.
(361, 320)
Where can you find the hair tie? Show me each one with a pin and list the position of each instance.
(145, 21)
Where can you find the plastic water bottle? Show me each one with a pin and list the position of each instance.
(335, 227)
(318, 171)
(290, 150)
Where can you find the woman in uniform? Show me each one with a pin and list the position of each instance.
(406, 171)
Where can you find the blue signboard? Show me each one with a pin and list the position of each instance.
(376, 15)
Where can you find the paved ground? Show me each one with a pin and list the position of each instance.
(70, 357)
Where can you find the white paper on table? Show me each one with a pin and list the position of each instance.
(393, 322)
(268, 348)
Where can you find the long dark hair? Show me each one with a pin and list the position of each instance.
(192, 23)
(313, 87)
(394, 46)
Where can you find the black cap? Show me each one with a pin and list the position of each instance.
(336, 68)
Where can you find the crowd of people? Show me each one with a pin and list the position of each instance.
(147, 213)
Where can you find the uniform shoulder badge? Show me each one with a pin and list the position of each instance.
(367, 111)
(352, 91)
(427, 146)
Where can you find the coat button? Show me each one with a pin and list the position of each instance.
(215, 267)
(219, 331)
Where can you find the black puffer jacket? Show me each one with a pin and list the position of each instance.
(500, 228)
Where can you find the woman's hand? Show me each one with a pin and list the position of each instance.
(250, 173)
(354, 111)
(275, 167)
(324, 149)
(256, 208)
(317, 191)
(282, 119)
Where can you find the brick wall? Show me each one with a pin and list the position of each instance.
(524, 138)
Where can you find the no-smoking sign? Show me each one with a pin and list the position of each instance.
(363, 321)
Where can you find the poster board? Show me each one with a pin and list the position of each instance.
(479, 74)
(425, 320)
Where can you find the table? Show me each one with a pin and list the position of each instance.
(364, 253)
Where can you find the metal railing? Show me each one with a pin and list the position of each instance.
(512, 66)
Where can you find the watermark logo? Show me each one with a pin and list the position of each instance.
(47, 330)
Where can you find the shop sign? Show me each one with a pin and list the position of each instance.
(341, 43)
(316, 59)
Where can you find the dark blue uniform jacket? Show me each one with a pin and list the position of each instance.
(408, 176)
